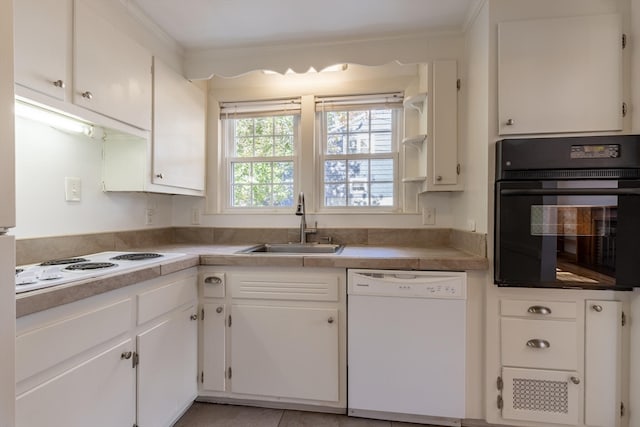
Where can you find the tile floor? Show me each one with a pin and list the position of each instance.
(213, 415)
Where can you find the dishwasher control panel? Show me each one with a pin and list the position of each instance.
(415, 284)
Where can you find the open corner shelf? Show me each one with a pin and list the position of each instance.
(414, 179)
(415, 141)
(416, 101)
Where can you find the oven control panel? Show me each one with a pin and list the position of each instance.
(606, 151)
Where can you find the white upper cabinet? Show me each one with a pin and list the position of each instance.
(178, 130)
(112, 73)
(560, 75)
(42, 45)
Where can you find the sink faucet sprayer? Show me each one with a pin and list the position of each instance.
(300, 211)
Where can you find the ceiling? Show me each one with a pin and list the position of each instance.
(205, 24)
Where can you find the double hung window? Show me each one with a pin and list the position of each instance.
(261, 143)
(359, 156)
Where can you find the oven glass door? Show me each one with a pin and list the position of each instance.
(568, 234)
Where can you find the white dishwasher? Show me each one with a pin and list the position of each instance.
(406, 345)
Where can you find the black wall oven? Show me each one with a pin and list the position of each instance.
(567, 212)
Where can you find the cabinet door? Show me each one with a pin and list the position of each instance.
(560, 75)
(214, 348)
(112, 73)
(444, 132)
(603, 341)
(167, 371)
(98, 392)
(178, 130)
(42, 45)
(541, 396)
(285, 351)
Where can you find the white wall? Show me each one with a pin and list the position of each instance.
(44, 157)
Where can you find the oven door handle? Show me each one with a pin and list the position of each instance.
(570, 192)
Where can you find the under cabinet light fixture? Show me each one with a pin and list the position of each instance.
(52, 118)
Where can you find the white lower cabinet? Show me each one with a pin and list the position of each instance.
(126, 357)
(560, 362)
(97, 392)
(275, 335)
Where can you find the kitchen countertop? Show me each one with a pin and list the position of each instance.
(351, 256)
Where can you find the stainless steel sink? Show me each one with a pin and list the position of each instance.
(294, 248)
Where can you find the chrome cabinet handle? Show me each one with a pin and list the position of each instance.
(213, 280)
(126, 355)
(194, 317)
(539, 309)
(575, 380)
(330, 320)
(159, 175)
(538, 343)
(510, 122)
(87, 95)
(597, 308)
(219, 310)
(59, 83)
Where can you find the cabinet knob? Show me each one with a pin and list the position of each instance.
(439, 178)
(539, 309)
(538, 343)
(330, 320)
(126, 355)
(219, 310)
(597, 308)
(87, 95)
(159, 175)
(575, 380)
(194, 317)
(510, 122)
(59, 83)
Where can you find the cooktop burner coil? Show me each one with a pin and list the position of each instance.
(136, 256)
(90, 266)
(63, 261)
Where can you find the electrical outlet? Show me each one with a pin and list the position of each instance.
(195, 216)
(471, 224)
(148, 216)
(72, 189)
(429, 216)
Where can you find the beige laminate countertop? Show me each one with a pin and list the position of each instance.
(381, 257)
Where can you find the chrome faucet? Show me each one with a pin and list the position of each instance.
(300, 211)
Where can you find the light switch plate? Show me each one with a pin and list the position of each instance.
(72, 189)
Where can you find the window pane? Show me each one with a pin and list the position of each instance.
(244, 147)
(336, 122)
(241, 196)
(382, 170)
(382, 194)
(358, 143)
(381, 142)
(264, 126)
(264, 147)
(262, 172)
(241, 173)
(359, 121)
(244, 127)
(358, 194)
(283, 125)
(335, 195)
(261, 195)
(381, 120)
(283, 195)
(358, 170)
(335, 144)
(282, 172)
(283, 146)
(335, 171)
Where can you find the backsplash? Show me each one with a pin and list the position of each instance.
(34, 250)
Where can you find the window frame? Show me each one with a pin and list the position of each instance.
(394, 155)
(228, 158)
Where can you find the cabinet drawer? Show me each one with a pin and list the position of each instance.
(159, 301)
(548, 344)
(51, 344)
(538, 309)
(213, 284)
